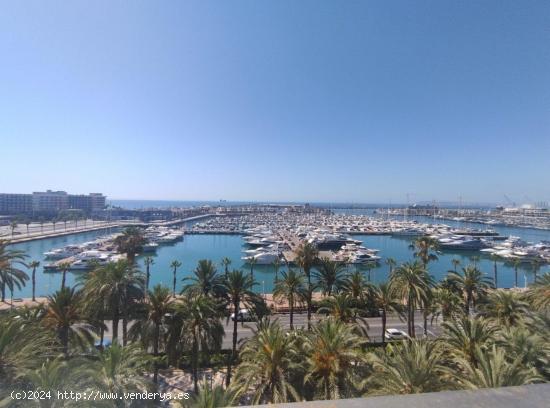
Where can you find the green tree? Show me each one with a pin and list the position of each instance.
(504, 307)
(33, 265)
(463, 336)
(237, 287)
(266, 363)
(456, 263)
(384, 300)
(392, 263)
(65, 317)
(330, 276)
(210, 396)
(333, 348)
(205, 281)
(473, 285)
(306, 257)
(226, 262)
(148, 261)
(408, 368)
(64, 268)
(516, 263)
(538, 293)
(11, 276)
(411, 282)
(130, 242)
(174, 265)
(357, 286)
(425, 248)
(292, 289)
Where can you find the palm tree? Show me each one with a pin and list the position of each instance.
(237, 286)
(356, 285)
(475, 259)
(210, 396)
(516, 262)
(533, 349)
(174, 265)
(266, 363)
(27, 223)
(463, 336)
(495, 270)
(13, 226)
(535, 265)
(384, 300)
(225, 264)
(117, 286)
(494, 370)
(538, 294)
(291, 288)
(52, 375)
(447, 303)
(10, 274)
(148, 261)
(306, 256)
(276, 265)
(33, 265)
(54, 221)
(330, 277)
(332, 349)
(504, 307)
(391, 262)
(456, 263)
(130, 243)
(341, 307)
(412, 283)
(64, 316)
(64, 267)
(201, 328)
(205, 281)
(408, 368)
(120, 370)
(423, 247)
(473, 285)
(159, 305)
(251, 261)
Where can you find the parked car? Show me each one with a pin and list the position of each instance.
(395, 334)
(244, 315)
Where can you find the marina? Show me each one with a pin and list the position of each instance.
(226, 236)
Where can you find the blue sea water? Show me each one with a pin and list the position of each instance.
(215, 247)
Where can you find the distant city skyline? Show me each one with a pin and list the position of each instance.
(281, 101)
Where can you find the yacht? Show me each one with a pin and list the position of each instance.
(150, 247)
(61, 253)
(88, 259)
(265, 258)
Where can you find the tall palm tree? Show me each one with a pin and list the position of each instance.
(251, 261)
(10, 274)
(154, 325)
(118, 285)
(409, 368)
(174, 265)
(532, 348)
(33, 265)
(148, 261)
(538, 294)
(306, 257)
(266, 363)
(276, 265)
(205, 281)
(130, 243)
(13, 226)
(330, 276)
(121, 370)
(535, 266)
(64, 316)
(504, 307)
(332, 348)
(494, 258)
(64, 268)
(423, 248)
(210, 396)
(237, 287)
(472, 283)
(201, 328)
(342, 307)
(412, 283)
(226, 262)
(384, 300)
(516, 263)
(357, 286)
(292, 289)
(456, 263)
(447, 303)
(493, 370)
(463, 336)
(392, 263)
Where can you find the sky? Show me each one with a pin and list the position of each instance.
(355, 101)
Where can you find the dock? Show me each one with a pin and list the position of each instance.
(294, 243)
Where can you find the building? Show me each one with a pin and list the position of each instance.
(15, 203)
(49, 203)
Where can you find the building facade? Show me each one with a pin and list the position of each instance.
(50, 202)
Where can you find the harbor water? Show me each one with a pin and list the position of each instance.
(215, 247)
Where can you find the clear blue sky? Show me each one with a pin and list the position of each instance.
(360, 101)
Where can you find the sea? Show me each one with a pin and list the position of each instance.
(215, 247)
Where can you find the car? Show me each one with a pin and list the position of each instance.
(395, 334)
(244, 315)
